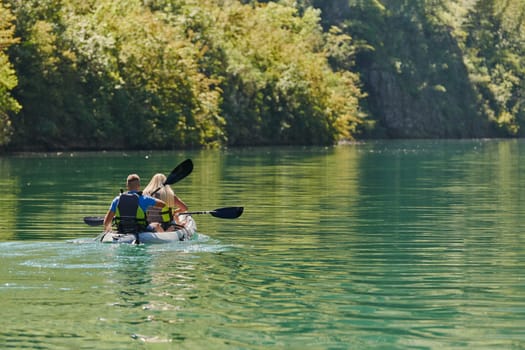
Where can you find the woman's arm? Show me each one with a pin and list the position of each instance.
(180, 205)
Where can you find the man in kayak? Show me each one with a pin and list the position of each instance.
(129, 208)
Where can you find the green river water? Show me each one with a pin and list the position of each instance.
(377, 245)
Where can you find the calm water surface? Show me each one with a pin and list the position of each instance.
(380, 245)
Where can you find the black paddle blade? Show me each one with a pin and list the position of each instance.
(180, 172)
(227, 213)
(94, 220)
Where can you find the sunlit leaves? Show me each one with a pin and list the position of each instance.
(494, 49)
(8, 79)
(159, 74)
(278, 74)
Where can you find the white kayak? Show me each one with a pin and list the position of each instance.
(187, 233)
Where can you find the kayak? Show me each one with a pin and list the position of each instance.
(187, 233)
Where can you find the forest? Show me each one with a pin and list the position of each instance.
(177, 74)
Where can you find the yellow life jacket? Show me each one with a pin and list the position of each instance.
(161, 215)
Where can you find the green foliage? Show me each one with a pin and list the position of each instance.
(278, 87)
(164, 74)
(155, 74)
(8, 79)
(165, 100)
(494, 51)
(117, 76)
(49, 88)
(437, 68)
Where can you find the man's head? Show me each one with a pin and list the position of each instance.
(133, 182)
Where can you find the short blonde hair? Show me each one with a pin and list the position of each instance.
(133, 180)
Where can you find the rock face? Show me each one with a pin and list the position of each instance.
(421, 94)
(430, 112)
(426, 67)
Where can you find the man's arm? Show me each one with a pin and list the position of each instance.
(159, 203)
(108, 220)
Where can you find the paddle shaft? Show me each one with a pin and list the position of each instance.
(223, 213)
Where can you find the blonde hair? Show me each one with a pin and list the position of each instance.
(165, 193)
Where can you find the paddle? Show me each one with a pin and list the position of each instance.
(94, 220)
(223, 213)
(178, 173)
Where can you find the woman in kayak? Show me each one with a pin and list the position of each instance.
(166, 217)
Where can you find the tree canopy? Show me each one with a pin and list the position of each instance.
(164, 74)
(8, 78)
(445, 68)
